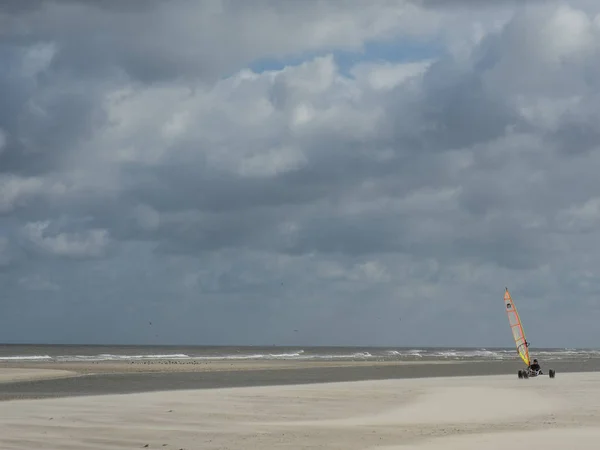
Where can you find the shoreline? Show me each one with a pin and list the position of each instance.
(433, 413)
(18, 374)
(91, 379)
(176, 365)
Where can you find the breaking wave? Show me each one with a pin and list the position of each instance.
(324, 354)
(26, 358)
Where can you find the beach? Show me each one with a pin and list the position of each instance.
(430, 413)
(11, 375)
(295, 405)
(125, 377)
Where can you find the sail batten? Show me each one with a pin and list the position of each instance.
(516, 327)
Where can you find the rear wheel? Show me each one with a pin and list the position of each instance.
(520, 374)
(551, 373)
(525, 374)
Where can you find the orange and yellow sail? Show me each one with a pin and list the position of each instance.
(516, 327)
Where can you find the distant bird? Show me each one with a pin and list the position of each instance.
(150, 323)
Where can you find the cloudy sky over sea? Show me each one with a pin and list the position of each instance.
(299, 172)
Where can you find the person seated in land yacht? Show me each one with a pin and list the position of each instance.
(535, 367)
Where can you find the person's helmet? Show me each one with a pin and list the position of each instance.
(535, 360)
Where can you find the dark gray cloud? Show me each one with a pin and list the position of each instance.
(150, 175)
(187, 51)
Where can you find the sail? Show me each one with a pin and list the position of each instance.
(516, 327)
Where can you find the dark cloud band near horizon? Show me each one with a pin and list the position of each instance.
(147, 172)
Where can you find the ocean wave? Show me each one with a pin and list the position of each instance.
(323, 354)
(407, 353)
(471, 354)
(26, 358)
(251, 356)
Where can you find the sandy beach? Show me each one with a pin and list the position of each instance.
(166, 365)
(102, 378)
(10, 375)
(418, 413)
(65, 379)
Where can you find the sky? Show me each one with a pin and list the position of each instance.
(299, 173)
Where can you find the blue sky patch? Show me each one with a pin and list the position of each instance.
(401, 50)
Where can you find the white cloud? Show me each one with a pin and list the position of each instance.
(272, 162)
(462, 159)
(569, 33)
(385, 76)
(17, 191)
(37, 59)
(243, 33)
(14, 190)
(580, 218)
(88, 244)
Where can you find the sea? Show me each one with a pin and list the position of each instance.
(90, 353)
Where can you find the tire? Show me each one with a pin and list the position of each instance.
(525, 375)
(551, 373)
(520, 374)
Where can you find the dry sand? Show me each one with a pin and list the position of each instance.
(463, 413)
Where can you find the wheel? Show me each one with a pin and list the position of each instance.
(520, 374)
(525, 374)
(551, 373)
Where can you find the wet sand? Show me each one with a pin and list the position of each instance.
(9, 375)
(175, 365)
(124, 377)
(467, 413)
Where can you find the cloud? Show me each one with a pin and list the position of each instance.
(184, 176)
(88, 244)
(2, 140)
(17, 191)
(189, 49)
(37, 283)
(4, 252)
